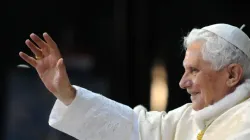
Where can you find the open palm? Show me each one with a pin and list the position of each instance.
(49, 65)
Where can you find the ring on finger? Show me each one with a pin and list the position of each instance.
(38, 57)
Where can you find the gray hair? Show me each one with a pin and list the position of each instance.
(218, 51)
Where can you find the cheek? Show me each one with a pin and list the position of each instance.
(202, 83)
(198, 81)
(205, 84)
(202, 80)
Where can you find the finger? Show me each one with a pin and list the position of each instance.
(52, 44)
(36, 51)
(28, 59)
(49, 40)
(43, 45)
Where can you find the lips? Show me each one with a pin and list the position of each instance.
(194, 96)
(194, 93)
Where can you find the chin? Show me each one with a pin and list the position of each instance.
(197, 107)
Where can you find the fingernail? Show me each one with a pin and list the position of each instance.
(32, 34)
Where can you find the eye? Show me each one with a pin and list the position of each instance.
(194, 70)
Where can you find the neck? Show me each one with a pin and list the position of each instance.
(241, 93)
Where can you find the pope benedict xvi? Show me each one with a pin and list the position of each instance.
(217, 72)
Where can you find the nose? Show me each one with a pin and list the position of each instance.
(185, 82)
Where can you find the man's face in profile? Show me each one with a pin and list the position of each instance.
(205, 85)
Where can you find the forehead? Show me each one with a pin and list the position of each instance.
(193, 54)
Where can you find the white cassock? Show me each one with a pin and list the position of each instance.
(92, 116)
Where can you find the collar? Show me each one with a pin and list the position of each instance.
(205, 116)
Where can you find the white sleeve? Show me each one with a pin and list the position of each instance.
(92, 116)
(242, 135)
(158, 125)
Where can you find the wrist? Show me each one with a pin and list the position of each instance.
(71, 95)
(68, 95)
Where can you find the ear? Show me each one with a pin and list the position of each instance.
(235, 72)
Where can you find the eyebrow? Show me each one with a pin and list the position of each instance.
(188, 65)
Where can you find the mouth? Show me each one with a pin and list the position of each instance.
(194, 93)
(194, 96)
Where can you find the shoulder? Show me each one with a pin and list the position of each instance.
(176, 114)
(155, 124)
(183, 108)
(240, 111)
(243, 109)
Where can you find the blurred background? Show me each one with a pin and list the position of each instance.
(127, 50)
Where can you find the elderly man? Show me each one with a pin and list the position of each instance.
(217, 71)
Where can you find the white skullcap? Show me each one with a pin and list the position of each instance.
(232, 34)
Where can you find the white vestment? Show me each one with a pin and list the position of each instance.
(92, 116)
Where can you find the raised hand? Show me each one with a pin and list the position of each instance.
(49, 65)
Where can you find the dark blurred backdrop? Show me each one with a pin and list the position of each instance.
(109, 47)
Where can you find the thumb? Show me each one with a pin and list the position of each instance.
(60, 66)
